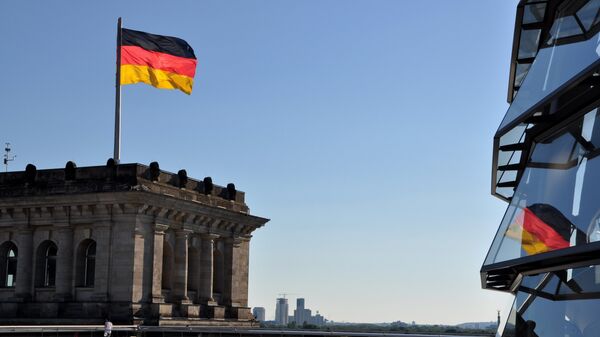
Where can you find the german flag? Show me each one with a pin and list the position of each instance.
(543, 228)
(164, 62)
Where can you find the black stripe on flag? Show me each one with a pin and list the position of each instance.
(158, 43)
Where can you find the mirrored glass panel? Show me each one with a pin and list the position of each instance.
(552, 67)
(588, 14)
(564, 303)
(557, 202)
(534, 13)
(564, 27)
(528, 45)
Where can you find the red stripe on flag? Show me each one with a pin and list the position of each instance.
(140, 57)
(542, 231)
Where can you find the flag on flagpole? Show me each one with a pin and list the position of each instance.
(163, 62)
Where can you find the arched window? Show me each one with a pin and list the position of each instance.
(90, 264)
(8, 264)
(86, 263)
(167, 266)
(50, 270)
(46, 264)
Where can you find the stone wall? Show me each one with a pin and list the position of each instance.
(155, 247)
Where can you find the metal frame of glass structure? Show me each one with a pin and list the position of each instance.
(547, 248)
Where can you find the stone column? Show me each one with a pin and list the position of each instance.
(23, 288)
(207, 269)
(103, 251)
(230, 245)
(181, 265)
(64, 264)
(241, 254)
(235, 290)
(159, 237)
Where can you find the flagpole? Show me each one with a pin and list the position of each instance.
(117, 152)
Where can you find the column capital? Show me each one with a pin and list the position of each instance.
(160, 228)
(209, 236)
(183, 232)
(235, 241)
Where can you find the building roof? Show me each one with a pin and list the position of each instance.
(119, 178)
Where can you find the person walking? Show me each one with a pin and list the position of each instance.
(107, 328)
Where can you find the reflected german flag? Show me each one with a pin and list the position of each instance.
(541, 228)
(164, 62)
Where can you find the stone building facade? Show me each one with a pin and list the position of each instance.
(127, 242)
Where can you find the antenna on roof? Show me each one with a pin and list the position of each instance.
(7, 156)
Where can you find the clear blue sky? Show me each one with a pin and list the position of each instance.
(363, 129)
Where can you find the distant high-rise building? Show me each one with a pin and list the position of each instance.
(301, 315)
(317, 319)
(259, 313)
(281, 311)
(299, 303)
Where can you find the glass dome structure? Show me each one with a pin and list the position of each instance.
(546, 165)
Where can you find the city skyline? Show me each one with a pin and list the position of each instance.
(362, 129)
(301, 315)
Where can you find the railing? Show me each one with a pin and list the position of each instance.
(152, 331)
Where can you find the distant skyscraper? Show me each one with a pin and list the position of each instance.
(259, 313)
(281, 311)
(299, 303)
(301, 315)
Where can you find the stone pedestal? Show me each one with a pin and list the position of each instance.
(214, 311)
(241, 313)
(190, 310)
(162, 309)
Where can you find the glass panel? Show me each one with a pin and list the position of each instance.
(506, 192)
(557, 203)
(90, 264)
(11, 271)
(508, 176)
(528, 45)
(51, 251)
(90, 271)
(534, 13)
(515, 135)
(581, 281)
(505, 157)
(520, 73)
(509, 247)
(552, 285)
(556, 151)
(91, 251)
(533, 281)
(551, 68)
(50, 272)
(564, 27)
(569, 316)
(509, 329)
(588, 14)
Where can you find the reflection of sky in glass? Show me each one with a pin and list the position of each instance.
(551, 68)
(556, 307)
(560, 180)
